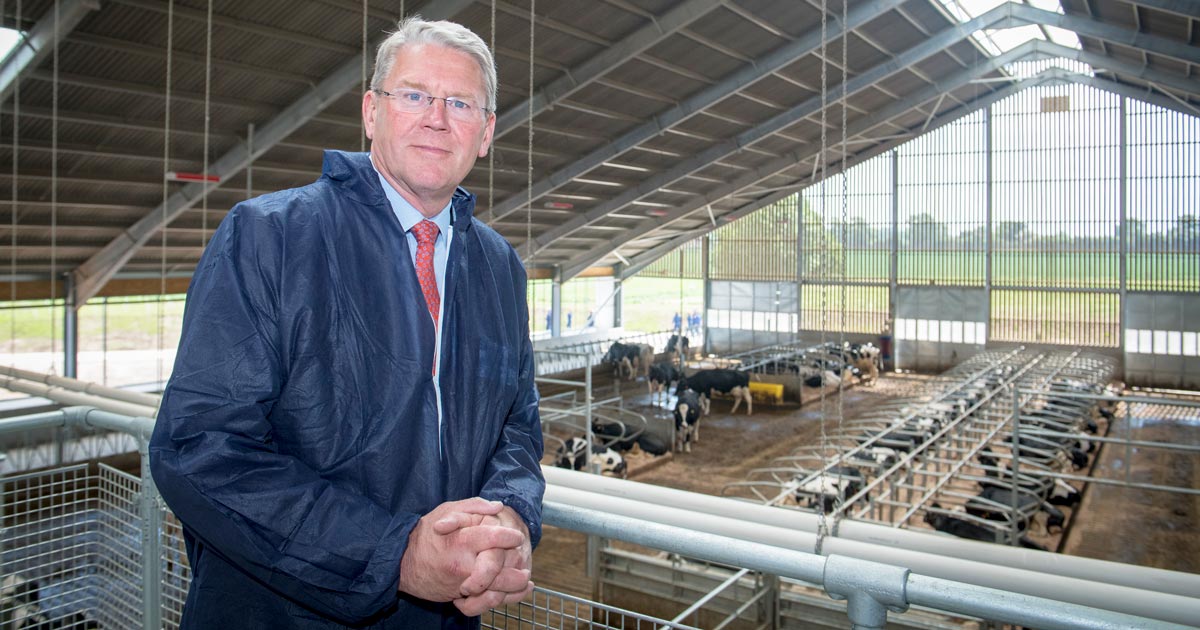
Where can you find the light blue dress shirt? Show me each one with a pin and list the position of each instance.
(409, 217)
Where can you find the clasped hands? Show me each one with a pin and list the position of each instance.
(475, 553)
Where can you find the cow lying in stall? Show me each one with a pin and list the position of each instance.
(687, 420)
(571, 455)
(628, 358)
(733, 382)
(964, 528)
(830, 488)
(662, 374)
(20, 608)
(995, 504)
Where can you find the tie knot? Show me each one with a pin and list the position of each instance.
(426, 231)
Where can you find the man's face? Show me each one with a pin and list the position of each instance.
(426, 154)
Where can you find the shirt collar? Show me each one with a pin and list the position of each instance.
(406, 213)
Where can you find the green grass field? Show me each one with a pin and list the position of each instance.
(1145, 272)
(650, 303)
(127, 324)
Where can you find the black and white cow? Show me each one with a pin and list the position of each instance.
(687, 420)
(830, 488)
(628, 358)
(20, 608)
(733, 382)
(995, 504)
(963, 528)
(662, 374)
(678, 344)
(572, 455)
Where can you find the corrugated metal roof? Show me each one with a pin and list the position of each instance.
(692, 113)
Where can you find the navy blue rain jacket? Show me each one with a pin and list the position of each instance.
(298, 438)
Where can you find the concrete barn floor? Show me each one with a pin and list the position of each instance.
(1150, 528)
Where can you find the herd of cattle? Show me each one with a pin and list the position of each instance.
(901, 463)
(694, 391)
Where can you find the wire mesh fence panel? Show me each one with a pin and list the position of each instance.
(552, 610)
(71, 556)
(49, 549)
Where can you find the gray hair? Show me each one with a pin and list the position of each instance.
(414, 30)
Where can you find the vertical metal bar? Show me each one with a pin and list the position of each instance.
(250, 160)
(706, 281)
(989, 195)
(894, 251)
(1016, 461)
(1122, 233)
(151, 532)
(70, 328)
(618, 309)
(556, 312)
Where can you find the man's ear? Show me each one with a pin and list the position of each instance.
(489, 128)
(368, 113)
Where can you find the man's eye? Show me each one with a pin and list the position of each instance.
(415, 97)
(457, 104)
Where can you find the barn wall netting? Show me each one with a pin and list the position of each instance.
(1053, 205)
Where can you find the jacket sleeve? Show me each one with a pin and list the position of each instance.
(514, 473)
(214, 461)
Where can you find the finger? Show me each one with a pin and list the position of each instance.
(478, 604)
(488, 565)
(481, 537)
(455, 521)
(513, 598)
(476, 505)
(518, 558)
(510, 581)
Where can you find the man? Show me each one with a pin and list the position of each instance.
(350, 436)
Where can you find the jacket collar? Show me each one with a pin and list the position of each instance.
(353, 173)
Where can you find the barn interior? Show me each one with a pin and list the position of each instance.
(931, 265)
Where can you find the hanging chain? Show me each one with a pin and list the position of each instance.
(841, 410)
(529, 157)
(491, 149)
(822, 530)
(162, 255)
(207, 118)
(362, 125)
(54, 198)
(16, 141)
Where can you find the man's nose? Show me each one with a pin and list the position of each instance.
(435, 112)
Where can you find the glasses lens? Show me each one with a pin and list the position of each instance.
(416, 101)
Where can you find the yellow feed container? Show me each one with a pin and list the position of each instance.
(766, 392)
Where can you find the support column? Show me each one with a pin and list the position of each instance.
(707, 292)
(556, 304)
(70, 329)
(618, 301)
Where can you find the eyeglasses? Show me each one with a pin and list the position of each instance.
(415, 102)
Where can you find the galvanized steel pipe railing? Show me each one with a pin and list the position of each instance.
(871, 588)
(1153, 593)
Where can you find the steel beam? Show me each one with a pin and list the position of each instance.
(1087, 27)
(1119, 67)
(597, 66)
(41, 41)
(581, 262)
(897, 63)
(96, 271)
(707, 97)
(640, 261)
(1183, 8)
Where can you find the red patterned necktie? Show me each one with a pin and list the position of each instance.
(426, 232)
